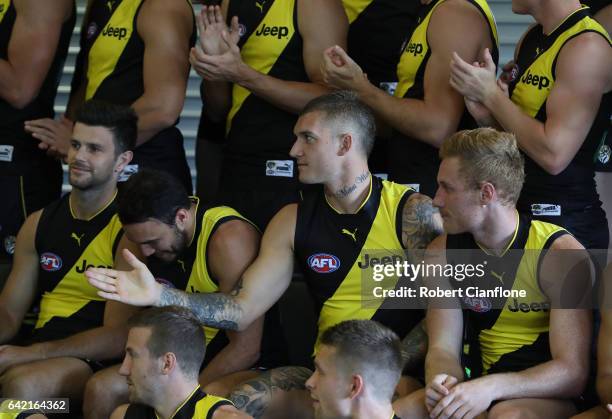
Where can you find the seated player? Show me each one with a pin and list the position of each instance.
(524, 362)
(349, 210)
(75, 328)
(164, 351)
(357, 368)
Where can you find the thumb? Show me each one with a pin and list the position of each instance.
(132, 260)
(489, 63)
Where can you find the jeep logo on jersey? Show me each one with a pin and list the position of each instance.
(84, 266)
(50, 262)
(118, 33)
(415, 48)
(278, 31)
(323, 263)
(541, 82)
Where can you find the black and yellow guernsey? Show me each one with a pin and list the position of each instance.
(18, 150)
(544, 194)
(329, 247)
(257, 131)
(516, 337)
(411, 161)
(67, 246)
(376, 34)
(110, 64)
(191, 272)
(198, 405)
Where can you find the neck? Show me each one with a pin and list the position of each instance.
(347, 193)
(372, 409)
(497, 228)
(87, 203)
(175, 394)
(550, 14)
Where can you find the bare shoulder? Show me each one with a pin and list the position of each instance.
(421, 222)
(168, 6)
(235, 229)
(566, 242)
(119, 412)
(167, 14)
(229, 412)
(456, 14)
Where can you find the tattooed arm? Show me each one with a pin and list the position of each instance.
(414, 347)
(421, 222)
(260, 287)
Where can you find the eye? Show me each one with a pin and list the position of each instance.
(75, 144)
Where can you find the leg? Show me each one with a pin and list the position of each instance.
(58, 377)
(407, 385)
(104, 391)
(222, 386)
(598, 412)
(532, 409)
(273, 391)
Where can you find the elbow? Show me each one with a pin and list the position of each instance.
(576, 379)
(438, 133)
(554, 165)
(167, 116)
(20, 98)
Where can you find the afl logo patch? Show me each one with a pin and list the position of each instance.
(604, 154)
(479, 305)
(323, 263)
(50, 262)
(241, 30)
(92, 29)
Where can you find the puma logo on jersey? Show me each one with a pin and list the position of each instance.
(119, 33)
(110, 4)
(180, 262)
(278, 31)
(77, 238)
(351, 235)
(85, 265)
(1, 8)
(260, 5)
(414, 48)
(541, 82)
(499, 277)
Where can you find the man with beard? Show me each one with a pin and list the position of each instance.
(163, 353)
(194, 248)
(74, 328)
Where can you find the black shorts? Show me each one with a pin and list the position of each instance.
(24, 194)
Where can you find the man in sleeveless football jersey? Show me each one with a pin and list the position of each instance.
(356, 371)
(257, 78)
(514, 353)
(558, 110)
(163, 354)
(352, 211)
(424, 110)
(135, 53)
(29, 178)
(193, 248)
(75, 328)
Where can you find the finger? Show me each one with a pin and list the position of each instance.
(200, 22)
(508, 66)
(450, 381)
(218, 15)
(235, 28)
(210, 15)
(43, 146)
(132, 260)
(441, 405)
(439, 388)
(101, 285)
(489, 63)
(451, 409)
(110, 296)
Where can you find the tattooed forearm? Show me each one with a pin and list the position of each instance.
(346, 190)
(414, 347)
(421, 222)
(254, 396)
(212, 309)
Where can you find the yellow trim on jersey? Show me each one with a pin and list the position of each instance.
(353, 8)
(110, 44)
(534, 86)
(349, 302)
(73, 292)
(262, 52)
(204, 405)
(360, 206)
(73, 215)
(4, 6)
(417, 48)
(513, 330)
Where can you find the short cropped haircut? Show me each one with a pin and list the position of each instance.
(151, 194)
(121, 120)
(370, 349)
(488, 155)
(174, 329)
(347, 113)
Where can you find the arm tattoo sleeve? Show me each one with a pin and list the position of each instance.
(421, 222)
(213, 309)
(414, 347)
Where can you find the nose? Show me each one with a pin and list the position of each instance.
(125, 367)
(310, 383)
(147, 250)
(296, 150)
(438, 201)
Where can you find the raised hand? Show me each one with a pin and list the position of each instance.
(211, 26)
(476, 82)
(227, 66)
(339, 70)
(54, 136)
(437, 389)
(137, 287)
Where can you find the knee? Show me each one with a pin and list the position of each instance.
(20, 382)
(103, 392)
(503, 411)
